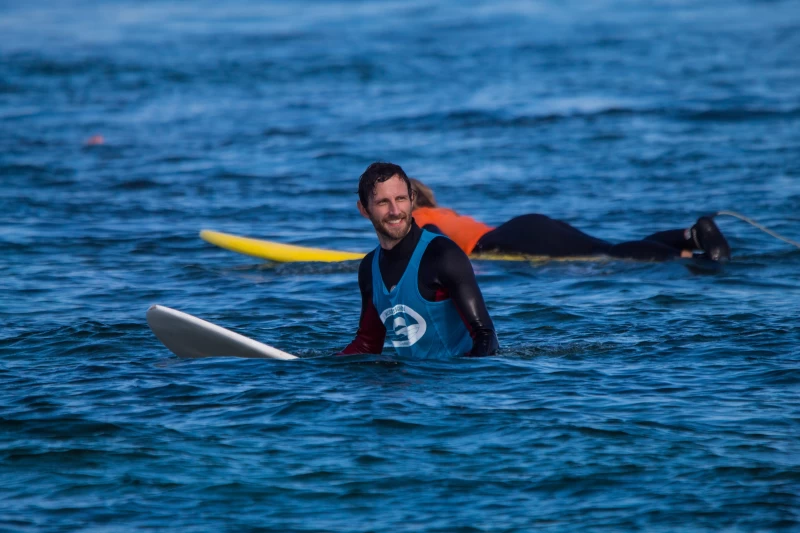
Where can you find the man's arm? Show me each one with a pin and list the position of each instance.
(454, 273)
(371, 332)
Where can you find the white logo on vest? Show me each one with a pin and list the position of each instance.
(408, 334)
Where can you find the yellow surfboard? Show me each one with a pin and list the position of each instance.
(290, 253)
(275, 251)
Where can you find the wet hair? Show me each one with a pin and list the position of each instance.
(423, 195)
(378, 172)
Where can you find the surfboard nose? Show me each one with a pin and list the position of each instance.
(191, 337)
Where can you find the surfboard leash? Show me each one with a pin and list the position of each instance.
(757, 225)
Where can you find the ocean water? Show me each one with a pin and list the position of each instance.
(628, 396)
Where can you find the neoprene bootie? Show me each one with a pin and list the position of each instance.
(709, 238)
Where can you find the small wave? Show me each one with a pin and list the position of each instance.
(62, 426)
(137, 185)
(393, 423)
(784, 376)
(39, 174)
(738, 115)
(286, 132)
(472, 119)
(234, 176)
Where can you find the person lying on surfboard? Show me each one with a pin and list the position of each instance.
(417, 287)
(540, 235)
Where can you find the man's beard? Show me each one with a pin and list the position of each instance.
(396, 233)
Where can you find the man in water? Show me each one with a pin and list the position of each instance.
(540, 235)
(417, 286)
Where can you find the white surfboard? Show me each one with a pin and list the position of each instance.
(190, 337)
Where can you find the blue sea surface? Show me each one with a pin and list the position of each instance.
(628, 396)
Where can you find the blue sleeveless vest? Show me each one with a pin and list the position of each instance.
(415, 326)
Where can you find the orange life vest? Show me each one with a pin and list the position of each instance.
(464, 231)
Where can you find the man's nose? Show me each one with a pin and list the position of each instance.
(394, 209)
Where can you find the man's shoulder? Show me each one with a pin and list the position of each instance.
(367, 259)
(365, 267)
(443, 248)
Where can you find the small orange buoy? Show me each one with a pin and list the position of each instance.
(95, 140)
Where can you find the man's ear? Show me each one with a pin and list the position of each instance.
(362, 209)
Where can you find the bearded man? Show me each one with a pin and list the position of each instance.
(417, 287)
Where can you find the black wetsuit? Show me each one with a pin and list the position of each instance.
(444, 272)
(541, 235)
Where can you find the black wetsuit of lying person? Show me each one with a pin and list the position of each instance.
(540, 235)
(537, 234)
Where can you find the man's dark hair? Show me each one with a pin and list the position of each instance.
(379, 172)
